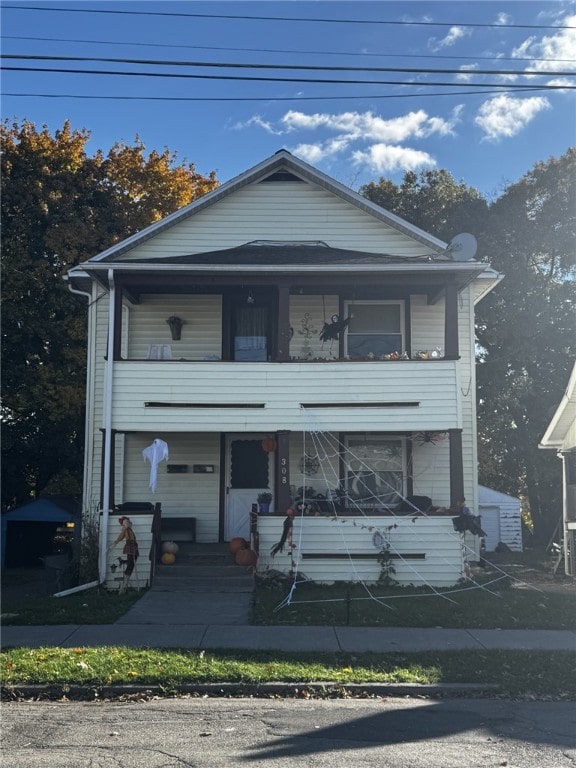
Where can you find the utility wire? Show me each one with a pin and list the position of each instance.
(297, 67)
(289, 18)
(253, 78)
(280, 50)
(257, 98)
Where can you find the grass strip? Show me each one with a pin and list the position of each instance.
(517, 673)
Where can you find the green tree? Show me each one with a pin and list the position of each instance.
(60, 206)
(527, 335)
(525, 327)
(433, 201)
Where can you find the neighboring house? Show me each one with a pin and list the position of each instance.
(561, 437)
(205, 333)
(501, 519)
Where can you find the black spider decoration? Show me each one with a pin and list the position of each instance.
(330, 331)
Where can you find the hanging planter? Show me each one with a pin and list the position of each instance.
(269, 445)
(175, 324)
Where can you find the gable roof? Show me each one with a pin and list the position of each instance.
(278, 165)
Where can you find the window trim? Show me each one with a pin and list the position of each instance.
(400, 303)
(378, 438)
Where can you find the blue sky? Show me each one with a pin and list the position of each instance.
(355, 132)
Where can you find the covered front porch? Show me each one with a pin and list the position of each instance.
(406, 485)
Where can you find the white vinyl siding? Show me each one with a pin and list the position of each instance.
(201, 336)
(433, 537)
(285, 211)
(282, 390)
(427, 325)
(186, 494)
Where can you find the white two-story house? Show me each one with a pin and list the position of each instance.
(283, 334)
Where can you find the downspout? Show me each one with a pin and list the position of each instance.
(87, 447)
(107, 428)
(89, 348)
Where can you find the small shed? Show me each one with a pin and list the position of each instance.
(28, 531)
(501, 519)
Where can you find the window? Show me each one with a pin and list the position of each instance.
(251, 334)
(376, 328)
(375, 470)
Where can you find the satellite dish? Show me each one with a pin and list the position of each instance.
(463, 247)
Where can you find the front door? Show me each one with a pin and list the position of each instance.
(250, 471)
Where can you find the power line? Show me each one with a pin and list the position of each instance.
(280, 50)
(253, 78)
(289, 18)
(298, 67)
(260, 98)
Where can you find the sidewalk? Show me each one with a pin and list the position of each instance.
(327, 639)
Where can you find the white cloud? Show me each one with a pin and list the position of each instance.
(454, 34)
(386, 158)
(465, 74)
(258, 121)
(505, 116)
(313, 153)
(503, 18)
(379, 140)
(370, 127)
(555, 47)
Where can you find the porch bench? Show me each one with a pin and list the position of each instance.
(178, 529)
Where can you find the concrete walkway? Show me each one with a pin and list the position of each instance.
(329, 639)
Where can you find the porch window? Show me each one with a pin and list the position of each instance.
(376, 328)
(375, 470)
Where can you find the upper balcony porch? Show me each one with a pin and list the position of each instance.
(258, 316)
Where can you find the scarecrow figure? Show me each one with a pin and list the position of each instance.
(130, 549)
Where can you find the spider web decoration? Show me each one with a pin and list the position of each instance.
(308, 465)
(326, 449)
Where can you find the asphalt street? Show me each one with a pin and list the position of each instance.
(217, 733)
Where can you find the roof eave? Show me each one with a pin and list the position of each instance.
(568, 400)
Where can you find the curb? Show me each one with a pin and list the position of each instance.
(315, 689)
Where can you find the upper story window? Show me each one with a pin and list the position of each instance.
(376, 328)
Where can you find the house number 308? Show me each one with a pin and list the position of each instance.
(284, 471)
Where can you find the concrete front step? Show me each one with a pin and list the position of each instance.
(218, 586)
(193, 570)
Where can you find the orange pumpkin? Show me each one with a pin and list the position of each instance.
(168, 558)
(246, 557)
(237, 544)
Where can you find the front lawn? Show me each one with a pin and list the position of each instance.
(507, 607)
